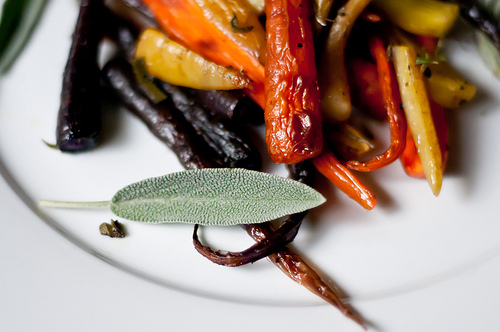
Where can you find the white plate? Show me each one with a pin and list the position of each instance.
(410, 242)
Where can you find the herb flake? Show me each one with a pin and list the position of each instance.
(236, 28)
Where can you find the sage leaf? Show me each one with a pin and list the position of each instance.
(214, 196)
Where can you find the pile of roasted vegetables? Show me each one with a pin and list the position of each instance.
(198, 73)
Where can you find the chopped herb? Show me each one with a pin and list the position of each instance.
(426, 61)
(113, 229)
(236, 28)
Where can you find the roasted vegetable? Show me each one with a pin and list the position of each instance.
(229, 141)
(395, 115)
(446, 87)
(271, 244)
(410, 160)
(335, 94)
(176, 17)
(328, 165)
(418, 113)
(421, 17)
(365, 88)
(164, 122)
(229, 104)
(79, 118)
(292, 112)
(173, 63)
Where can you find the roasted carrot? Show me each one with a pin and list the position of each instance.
(185, 22)
(335, 94)
(395, 115)
(417, 109)
(365, 88)
(295, 267)
(292, 112)
(410, 160)
(328, 165)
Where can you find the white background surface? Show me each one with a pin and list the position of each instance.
(48, 284)
(422, 274)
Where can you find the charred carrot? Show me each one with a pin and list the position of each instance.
(395, 114)
(292, 112)
(328, 165)
(185, 22)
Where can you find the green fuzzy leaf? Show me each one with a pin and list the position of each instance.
(215, 196)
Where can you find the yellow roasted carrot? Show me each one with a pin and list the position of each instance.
(418, 114)
(421, 17)
(175, 64)
(447, 87)
(186, 23)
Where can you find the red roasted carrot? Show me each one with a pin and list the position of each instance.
(395, 114)
(328, 165)
(292, 112)
(365, 88)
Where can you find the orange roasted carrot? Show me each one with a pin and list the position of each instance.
(185, 22)
(292, 112)
(328, 165)
(395, 114)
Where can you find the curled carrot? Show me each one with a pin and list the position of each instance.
(395, 115)
(328, 165)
